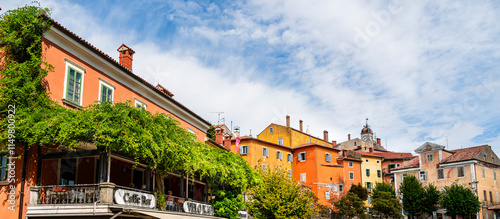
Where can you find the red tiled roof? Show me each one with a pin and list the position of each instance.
(368, 154)
(464, 154)
(415, 162)
(394, 155)
(114, 62)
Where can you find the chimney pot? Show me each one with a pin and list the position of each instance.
(334, 143)
(227, 142)
(348, 136)
(218, 136)
(288, 121)
(300, 126)
(325, 135)
(378, 141)
(371, 150)
(126, 56)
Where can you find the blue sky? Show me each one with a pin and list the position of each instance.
(420, 71)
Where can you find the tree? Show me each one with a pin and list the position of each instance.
(412, 195)
(211, 132)
(360, 191)
(278, 196)
(350, 205)
(458, 200)
(385, 202)
(431, 199)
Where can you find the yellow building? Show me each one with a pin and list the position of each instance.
(371, 172)
(474, 167)
(269, 154)
(288, 136)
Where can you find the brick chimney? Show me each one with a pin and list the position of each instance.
(300, 126)
(288, 121)
(325, 135)
(371, 150)
(334, 143)
(126, 56)
(378, 141)
(218, 136)
(227, 142)
(348, 136)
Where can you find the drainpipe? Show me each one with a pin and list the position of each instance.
(109, 164)
(23, 178)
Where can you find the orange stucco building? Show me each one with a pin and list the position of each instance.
(54, 182)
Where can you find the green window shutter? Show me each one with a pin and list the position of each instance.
(106, 94)
(74, 86)
(367, 172)
(379, 173)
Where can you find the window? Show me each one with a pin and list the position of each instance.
(67, 171)
(369, 186)
(354, 143)
(430, 158)
(491, 197)
(303, 177)
(74, 83)
(328, 157)
(140, 104)
(271, 130)
(350, 163)
(279, 155)
(327, 195)
(290, 173)
(366, 160)
(482, 172)
(378, 161)
(244, 150)
(379, 173)
(397, 165)
(367, 172)
(341, 188)
(351, 175)
(440, 173)
(191, 131)
(485, 197)
(280, 141)
(460, 171)
(106, 91)
(392, 166)
(302, 156)
(423, 175)
(289, 157)
(265, 152)
(3, 168)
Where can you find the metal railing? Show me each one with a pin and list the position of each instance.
(68, 194)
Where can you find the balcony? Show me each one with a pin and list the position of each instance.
(108, 199)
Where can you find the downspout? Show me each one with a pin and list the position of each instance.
(23, 178)
(109, 165)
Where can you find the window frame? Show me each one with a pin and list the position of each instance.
(104, 83)
(300, 155)
(271, 130)
(280, 141)
(463, 171)
(265, 152)
(431, 156)
(279, 155)
(483, 172)
(328, 157)
(341, 188)
(378, 161)
(327, 195)
(420, 176)
(242, 150)
(366, 160)
(289, 157)
(141, 103)
(351, 174)
(350, 164)
(4, 167)
(78, 69)
(379, 173)
(367, 172)
(442, 172)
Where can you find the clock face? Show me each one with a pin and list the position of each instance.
(365, 138)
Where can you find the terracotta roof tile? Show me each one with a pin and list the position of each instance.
(413, 163)
(464, 154)
(368, 154)
(394, 155)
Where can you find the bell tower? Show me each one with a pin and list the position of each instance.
(367, 133)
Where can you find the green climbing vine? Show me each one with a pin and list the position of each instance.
(155, 139)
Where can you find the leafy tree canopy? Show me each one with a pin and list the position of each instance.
(360, 191)
(278, 196)
(350, 205)
(412, 195)
(458, 200)
(430, 199)
(385, 202)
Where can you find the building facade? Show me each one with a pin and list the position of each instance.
(474, 167)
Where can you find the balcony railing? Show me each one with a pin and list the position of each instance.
(68, 194)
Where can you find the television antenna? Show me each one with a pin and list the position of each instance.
(218, 117)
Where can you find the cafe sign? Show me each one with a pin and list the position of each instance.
(198, 208)
(132, 198)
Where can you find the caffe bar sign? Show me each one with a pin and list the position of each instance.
(132, 198)
(198, 208)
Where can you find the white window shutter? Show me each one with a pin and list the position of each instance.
(241, 149)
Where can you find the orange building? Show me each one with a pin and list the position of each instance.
(88, 182)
